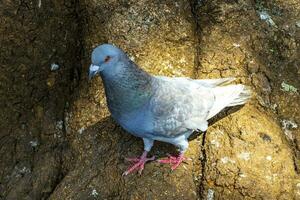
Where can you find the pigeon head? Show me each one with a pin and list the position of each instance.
(104, 58)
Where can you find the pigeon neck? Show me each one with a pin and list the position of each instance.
(128, 90)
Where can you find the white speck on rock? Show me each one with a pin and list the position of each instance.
(40, 3)
(23, 170)
(67, 121)
(274, 106)
(80, 131)
(33, 143)
(224, 160)
(236, 45)
(298, 24)
(288, 124)
(54, 67)
(215, 143)
(210, 194)
(182, 60)
(244, 156)
(289, 134)
(271, 178)
(227, 160)
(132, 58)
(94, 193)
(59, 125)
(243, 175)
(266, 17)
(269, 158)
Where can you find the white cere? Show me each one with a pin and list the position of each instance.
(94, 68)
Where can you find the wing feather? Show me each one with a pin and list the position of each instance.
(178, 106)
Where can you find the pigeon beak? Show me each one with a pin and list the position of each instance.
(93, 71)
(92, 74)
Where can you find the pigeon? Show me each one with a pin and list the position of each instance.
(160, 108)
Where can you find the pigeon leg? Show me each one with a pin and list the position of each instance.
(175, 161)
(138, 163)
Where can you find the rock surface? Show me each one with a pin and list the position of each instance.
(247, 152)
(33, 98)
(59, 142)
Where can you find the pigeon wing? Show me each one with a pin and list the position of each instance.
(179, 106)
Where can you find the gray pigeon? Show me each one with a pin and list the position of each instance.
(158, 107)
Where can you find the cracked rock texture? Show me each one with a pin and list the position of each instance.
(33, 99)
(59, 142)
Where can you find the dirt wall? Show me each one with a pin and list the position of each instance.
(59, 142)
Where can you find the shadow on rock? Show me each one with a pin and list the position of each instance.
(98, 172)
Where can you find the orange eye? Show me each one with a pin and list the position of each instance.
(107, 59)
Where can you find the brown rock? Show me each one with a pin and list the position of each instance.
(58, 141)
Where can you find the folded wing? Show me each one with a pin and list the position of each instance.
(179, 105)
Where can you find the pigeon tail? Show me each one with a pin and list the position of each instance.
(231, 95)
(211, 83)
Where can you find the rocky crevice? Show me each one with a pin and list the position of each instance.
(196, 6)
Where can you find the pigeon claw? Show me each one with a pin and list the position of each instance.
(175, 161)
(138, 165)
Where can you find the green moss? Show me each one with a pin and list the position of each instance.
(288, 88)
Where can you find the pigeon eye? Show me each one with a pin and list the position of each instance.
(107, 58)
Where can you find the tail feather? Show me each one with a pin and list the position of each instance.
(231, 95)
(242, 98)
(214, 82)
(209, 83)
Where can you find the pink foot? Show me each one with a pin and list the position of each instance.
(173, 160)
(139, 163)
